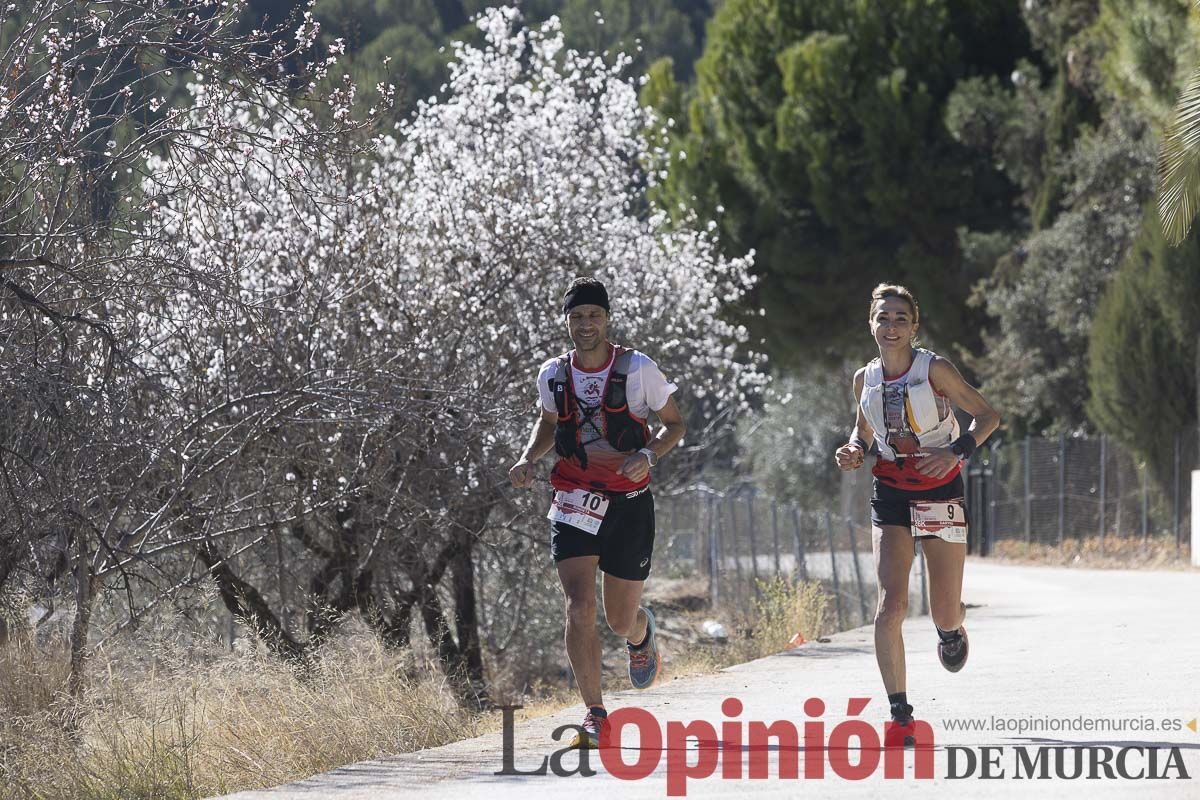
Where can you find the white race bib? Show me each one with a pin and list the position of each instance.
(579, 508)
(944, 519)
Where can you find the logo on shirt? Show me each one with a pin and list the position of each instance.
(592, 390)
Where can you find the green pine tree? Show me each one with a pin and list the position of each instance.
(815, 133)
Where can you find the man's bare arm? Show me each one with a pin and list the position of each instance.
(541, 441)
(671, 432)
(637, 466)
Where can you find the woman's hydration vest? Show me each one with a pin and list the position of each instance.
(625, 432)
(921, 417)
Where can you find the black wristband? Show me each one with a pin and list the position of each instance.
(869, 449)
(964, 445)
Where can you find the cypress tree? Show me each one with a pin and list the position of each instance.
(1142, 354)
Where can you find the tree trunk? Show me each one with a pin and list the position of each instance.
(84, 595)
(452, 656)
(466, 618)
(396, 629)
(245, 601)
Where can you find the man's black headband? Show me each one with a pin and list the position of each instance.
(593, 294)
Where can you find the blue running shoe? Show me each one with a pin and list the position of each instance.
(644, 662)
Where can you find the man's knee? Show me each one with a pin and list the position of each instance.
(621, 625)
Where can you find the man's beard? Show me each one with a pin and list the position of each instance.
(597, 342)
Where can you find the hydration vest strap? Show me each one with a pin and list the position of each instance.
(560, 386)
(614, 394)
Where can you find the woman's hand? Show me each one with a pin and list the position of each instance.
(938, 462)
(849, 457)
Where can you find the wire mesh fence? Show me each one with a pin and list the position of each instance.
(1043, 490)
(1051, 491)
(735, 540)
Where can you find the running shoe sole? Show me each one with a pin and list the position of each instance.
(585, 741)
(966, 650)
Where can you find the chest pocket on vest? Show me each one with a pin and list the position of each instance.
(623, 432)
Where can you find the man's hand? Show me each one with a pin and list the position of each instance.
(938, 461)
(849, 457)
(636, 467)
(522, 475)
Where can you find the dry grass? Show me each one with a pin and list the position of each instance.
(164, 719)
(781, 609)
(1124, 553)
(175, 726)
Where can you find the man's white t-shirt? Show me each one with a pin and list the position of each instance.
(646, 390)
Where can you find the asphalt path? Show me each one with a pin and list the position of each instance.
(1054, 651)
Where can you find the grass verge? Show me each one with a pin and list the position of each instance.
(1155, 552)
(163, 719)
(175, 726)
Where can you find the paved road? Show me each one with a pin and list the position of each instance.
(1046, 643)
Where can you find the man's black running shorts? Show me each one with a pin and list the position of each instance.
(624, 542)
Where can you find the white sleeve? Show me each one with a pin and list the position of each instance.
(545, 374)
(655, 385)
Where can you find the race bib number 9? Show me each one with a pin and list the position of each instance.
(580, 508)
(944, 519)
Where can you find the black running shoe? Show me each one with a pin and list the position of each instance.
(902, 719)
(953, 652)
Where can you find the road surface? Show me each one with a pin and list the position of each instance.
(1051, 647)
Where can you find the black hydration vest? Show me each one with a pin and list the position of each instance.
(622, 430)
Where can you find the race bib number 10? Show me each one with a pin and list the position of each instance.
(944, 519)
(580, 508)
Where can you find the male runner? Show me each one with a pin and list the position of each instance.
(595, 401)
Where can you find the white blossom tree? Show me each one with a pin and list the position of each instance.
(87, 92)
(378, 365)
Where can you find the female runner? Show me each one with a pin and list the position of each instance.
(905, 401)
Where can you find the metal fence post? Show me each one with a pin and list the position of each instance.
(1145, 501)
(775, 533)
(719, 547)
(1062, 486)
(801, 561)
(995, 459)
(731, 501)
(1103, 486)
(858, 579)
(1028, 495)
(1175, 497)
(711, 552)
(837, 592)
(974, 508)
(920, 553)
(753, 542)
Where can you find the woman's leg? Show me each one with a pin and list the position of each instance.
(944, 561)
(893, 546)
